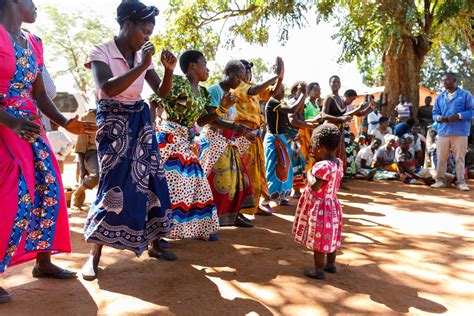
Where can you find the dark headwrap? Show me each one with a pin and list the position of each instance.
(247, 64)
(135, 11)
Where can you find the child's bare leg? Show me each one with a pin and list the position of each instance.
(317, 272)
(330, 264)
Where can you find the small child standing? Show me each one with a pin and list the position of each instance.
(318, 220)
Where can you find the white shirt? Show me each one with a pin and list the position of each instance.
(367, 154)
(416, 146)
(400, 156)
(451, 95)
(377, 134)
(373, 117)
(60, 143)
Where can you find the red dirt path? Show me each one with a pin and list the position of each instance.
(406, 250)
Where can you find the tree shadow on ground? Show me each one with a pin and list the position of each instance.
(411, 197)
(49, 297)
(182, 288)
(382, 288)
(259, 270)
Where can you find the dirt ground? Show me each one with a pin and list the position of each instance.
(405, 249)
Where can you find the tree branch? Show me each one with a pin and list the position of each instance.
(434, 7)
(225, 14)
(428, 16)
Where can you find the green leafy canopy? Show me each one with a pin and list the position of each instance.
(69, 38)
(205, 25)
(367, 29)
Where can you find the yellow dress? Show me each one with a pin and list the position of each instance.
(249, 114)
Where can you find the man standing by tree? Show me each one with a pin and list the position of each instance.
(425, 115)
(404, 110)
(453, 112)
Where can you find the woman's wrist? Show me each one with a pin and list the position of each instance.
(64, 122)
(221, 111)
(8, 120)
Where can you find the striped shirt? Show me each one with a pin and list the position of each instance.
(403, 110)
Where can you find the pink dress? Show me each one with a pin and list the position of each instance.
(33, 208)
(318, 219)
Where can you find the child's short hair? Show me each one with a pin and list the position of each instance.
(326, 135)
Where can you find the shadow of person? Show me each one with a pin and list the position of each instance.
(49, 297)
(181, 288)
(382, 288)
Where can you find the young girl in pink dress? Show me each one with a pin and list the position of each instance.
(318, 220)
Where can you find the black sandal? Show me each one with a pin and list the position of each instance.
(332, 269)
(168, 256)
(241, 221)
(63, 274)
(264, 210)
(315, 274)
(4, 296)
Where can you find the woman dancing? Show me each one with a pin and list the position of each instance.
(248, 97)
(194, 211)
(222, 144)
(336, 112)
(278, 160)
(132, 208)
(34, 220)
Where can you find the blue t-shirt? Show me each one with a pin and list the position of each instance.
(401, 129)
(217, 94)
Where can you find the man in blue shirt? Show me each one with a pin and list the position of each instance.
(453, 111)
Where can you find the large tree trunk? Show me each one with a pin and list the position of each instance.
(402, 73)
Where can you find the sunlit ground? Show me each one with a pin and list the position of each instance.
(406, 249)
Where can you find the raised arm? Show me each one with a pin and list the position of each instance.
(297, 105)
(162, 88)
(278, 79)
(261, 87)
(113, 86)
(363, 110)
